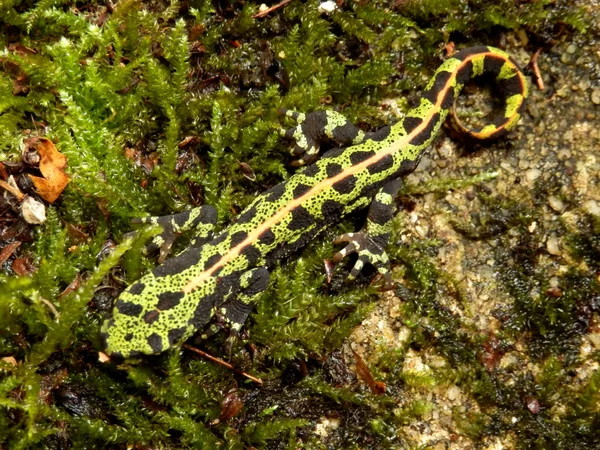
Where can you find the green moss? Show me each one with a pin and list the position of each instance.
(260, 433)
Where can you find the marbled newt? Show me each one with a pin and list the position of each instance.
(223, 274)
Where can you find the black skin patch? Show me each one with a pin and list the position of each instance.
(208, 215)
(333, 169)
(311, 171)
(252, 254)
(275, 193)
(498, 120)
(314, 123)
(202, 313)
(128, 337)
(301, 219)
(410, 123)
(175, 335)
(464, 54)
(136, 289)
(425, 134)
(407, 166)
(117, 357)
(300, 190)
(238, 237)
(247, 216)
(510, 86)
(258, 282)
(168, 300)
(129, 309)
(441, 80)
(448, 99)
(465, 73)
(181, 218)
(267, 237)
(380, 134)
(345, 185)
(104, 340)
(331, 208)
(382, 165)
(237, 311)
(155, 343)
(178, 264)
(358, 157)
(492, 64)
(151, 316)
(380, 213)
(220, 238)
(334, 152)
(346, 133)
(212, 261)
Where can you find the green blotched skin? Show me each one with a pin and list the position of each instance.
(224, 274)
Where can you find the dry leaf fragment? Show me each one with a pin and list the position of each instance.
(247, 171)
(52, 165)
(11, 186)
(230, 407)
(3, 173)
(376, 387)
(10, 360)
(7, 251)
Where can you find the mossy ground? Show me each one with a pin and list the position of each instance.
(491, 338)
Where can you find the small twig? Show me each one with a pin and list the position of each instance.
(222, 363)
(536, 70)
(261, 14)
(51, 307)
(13, 190)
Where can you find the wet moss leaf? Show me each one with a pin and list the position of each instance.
(52, 165)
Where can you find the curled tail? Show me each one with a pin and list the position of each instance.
(445, 86)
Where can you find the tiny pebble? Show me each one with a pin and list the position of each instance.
(596, 96)
(327, 7)
(592, 207)
(33, 212)
(556, 204)
(453, 392)
(565, 58)
(421, 230)
(572, 48)
(532, 175)
(552, 246)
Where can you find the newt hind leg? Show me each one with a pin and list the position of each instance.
(369, 243)
(234, 312)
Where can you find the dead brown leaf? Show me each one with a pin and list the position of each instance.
(52, 165)
(23, 266)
